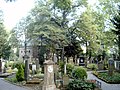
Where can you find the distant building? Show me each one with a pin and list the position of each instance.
(29, 53)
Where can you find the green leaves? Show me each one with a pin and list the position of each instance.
(80, 85)
(116, 23)
(62, 4)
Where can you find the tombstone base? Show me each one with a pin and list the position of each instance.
(65, 80)
(49, 87)
(100, 66)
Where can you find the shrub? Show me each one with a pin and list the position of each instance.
(9, 71)
(69, 68)
(61, 67)
(92, 66)
(12, 80)
(80, 85)
(20, 73)
(79, 73)
(115, 78)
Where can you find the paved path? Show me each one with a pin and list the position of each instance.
(104, 85)
(7, 86)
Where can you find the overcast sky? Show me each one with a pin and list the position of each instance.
(14, 11)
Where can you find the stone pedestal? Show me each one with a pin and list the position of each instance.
(65, 80)
(49, 76)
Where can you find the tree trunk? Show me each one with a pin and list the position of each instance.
(119, 47)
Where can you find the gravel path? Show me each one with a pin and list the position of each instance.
(7, 86)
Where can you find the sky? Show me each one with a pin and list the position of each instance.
(14, 11)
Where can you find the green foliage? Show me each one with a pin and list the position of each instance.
(79, 73)
(9, 70)
(81, 85)
(61, 66)
(116, 23)
(20, 73)
(12, 80)
(92, 66)
(69, 68)
(39, 75)
(4, 45)
(18, 64)
(73, 49)
(115, 78)
(62, 4)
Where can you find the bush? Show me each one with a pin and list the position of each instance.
(79, 73)
(20, 73)
(61, 67)
(92, 66)
(12, 80)
(9, 70)
(80, 85)
(69, 68)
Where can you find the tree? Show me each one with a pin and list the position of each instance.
(87, 31)
(20, 73)
(116, 23)
(4, 45)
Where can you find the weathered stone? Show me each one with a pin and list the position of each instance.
(65, 80)
(0, 66)
(49, 76)
(26, 70)
(100, 65)
(110, 66)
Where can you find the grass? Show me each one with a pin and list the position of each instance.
(114, 79)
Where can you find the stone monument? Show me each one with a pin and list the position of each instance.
(65, 76)
(110, 66)
(49, 75)
(37, 64)
(0, 66)
(100, 65)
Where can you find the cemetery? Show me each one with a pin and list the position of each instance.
(60, 45)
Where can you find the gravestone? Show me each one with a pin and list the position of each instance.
(0, 66)
(110, 66)
(117, 65)
(49, 76)
(37, 64)
(82, 61)
(65, 76)
(33, 68)
(100, 65)
(55, 72)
